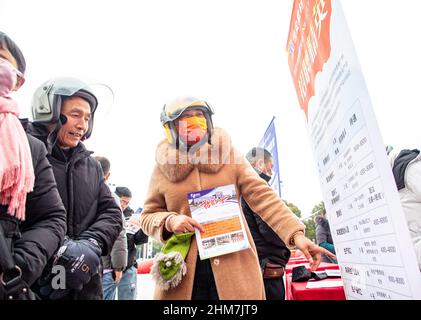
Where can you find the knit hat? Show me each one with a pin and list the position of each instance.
(123, 192)
(169, 266)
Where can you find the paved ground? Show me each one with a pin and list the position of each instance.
(145, 287)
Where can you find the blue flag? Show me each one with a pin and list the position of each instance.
(270, 143)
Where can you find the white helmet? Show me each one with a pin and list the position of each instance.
(47, 100)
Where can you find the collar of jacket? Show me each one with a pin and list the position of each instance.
(264, 176)
(38, 131)
(41, 133)
(176, 165)
(77, 153)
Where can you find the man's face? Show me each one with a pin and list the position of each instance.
(269, 167)
(78, 113)
(124, 202)
(265, 167)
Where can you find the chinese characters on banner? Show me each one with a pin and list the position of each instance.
(368, 226)
(269, 143)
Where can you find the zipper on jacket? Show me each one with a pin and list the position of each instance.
(70, 195)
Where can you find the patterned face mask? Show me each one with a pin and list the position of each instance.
(191, 130)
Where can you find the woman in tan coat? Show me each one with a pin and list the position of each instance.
(195, 156)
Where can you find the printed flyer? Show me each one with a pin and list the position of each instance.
(133, 223)
(218, 211)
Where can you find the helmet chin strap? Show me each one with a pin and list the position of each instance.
(53, 136)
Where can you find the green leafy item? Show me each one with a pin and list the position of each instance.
(169, 265)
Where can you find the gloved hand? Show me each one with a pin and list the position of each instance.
(80, 259)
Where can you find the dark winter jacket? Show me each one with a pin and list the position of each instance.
(117, 259)
(268, 244)
(323, 230)
(323, 236)
(37, 238)
(91, 209)
(133, 240)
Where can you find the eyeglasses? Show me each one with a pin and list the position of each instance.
(16, 71)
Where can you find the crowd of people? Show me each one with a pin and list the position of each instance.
(67, 232)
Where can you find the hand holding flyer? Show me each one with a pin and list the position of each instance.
(133, 223)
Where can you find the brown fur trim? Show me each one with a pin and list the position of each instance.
(209, 158)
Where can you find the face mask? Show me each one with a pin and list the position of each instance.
(192, 130)
(8, 78)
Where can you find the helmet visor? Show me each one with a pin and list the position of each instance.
(65, 86)
(105, 99)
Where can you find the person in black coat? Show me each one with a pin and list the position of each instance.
(34, 239)
(271, 250)
(115, 263)
(324, 236)
(63, 111)
(127, 287)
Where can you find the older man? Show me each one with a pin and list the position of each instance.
(63, 112)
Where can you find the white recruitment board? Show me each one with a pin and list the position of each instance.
(368, 226)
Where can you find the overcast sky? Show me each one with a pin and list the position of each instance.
(230, 53)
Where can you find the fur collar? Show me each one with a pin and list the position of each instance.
(176, 165)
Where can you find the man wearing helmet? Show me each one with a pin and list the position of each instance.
(195, 156)
(63, 110)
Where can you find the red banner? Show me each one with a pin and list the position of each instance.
(308, 45)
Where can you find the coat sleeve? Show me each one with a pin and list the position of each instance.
(155, 210)
(109, 222)
(263, 200)
(412, 179)
(44, 229)
(119, 252)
